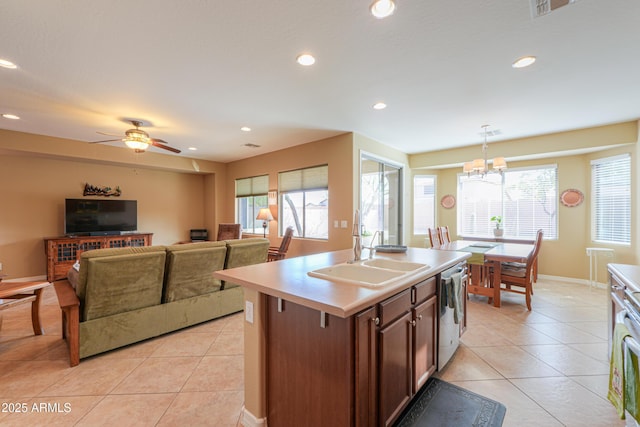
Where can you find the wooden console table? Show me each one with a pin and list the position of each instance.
(62, 252)
(15, 293)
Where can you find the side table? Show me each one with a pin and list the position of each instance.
(15, 293)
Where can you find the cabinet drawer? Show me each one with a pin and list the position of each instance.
(425, 289)
(394, 307)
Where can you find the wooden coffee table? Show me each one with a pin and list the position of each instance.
(16, 293)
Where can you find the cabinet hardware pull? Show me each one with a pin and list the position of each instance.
(420, 317)
(376, 321)
(279, 305)
(413, 323)
(323, 319)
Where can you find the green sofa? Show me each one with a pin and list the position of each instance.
(126, 295)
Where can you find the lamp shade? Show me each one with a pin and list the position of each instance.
(265, 215)
(468, 167)
(478, 164)
(499, 163)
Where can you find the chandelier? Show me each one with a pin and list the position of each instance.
(480, 166)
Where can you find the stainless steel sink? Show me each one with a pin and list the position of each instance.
(372, 273)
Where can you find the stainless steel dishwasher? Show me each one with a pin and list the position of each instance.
(450, 317)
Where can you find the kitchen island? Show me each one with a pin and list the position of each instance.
(325, 352)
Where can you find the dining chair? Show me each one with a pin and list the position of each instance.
(229, 231)
(279, 252)
(520, 275)
(444, 235)
(434, 238)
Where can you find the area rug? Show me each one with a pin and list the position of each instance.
(442, 404)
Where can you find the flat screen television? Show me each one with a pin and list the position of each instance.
(99, 217)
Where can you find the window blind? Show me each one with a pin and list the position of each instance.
(254, 186)
(314, 178)
(526, 198)
(611, 192)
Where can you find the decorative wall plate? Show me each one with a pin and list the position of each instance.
(448, 201)
(571, 197)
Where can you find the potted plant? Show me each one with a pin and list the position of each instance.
(497, 232)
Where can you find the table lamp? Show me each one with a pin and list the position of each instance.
(265, 216)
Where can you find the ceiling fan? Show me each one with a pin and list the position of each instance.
(139, 140)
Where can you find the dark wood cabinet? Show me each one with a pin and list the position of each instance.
(359, 371)
(62, 252)
(425, 334)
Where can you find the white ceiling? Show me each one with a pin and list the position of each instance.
(198, 70)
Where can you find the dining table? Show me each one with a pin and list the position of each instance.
(488, 257)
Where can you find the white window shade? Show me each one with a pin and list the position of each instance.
(254, 186)
(315, 178)
(611, 207)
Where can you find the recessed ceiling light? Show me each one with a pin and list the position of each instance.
(192, 148)
(306, 59)
(11, 116)
(525, 61)
(379, 106)
(245, 129)
(382, 8)
(7, 64)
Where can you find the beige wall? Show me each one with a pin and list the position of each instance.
(565, 256)
(335, 152)
(37, 173)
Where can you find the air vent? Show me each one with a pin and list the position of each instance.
(250, 145)
(543, 7)
(491, 132)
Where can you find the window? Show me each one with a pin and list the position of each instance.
(251, 196)
(304, 202)
(611, 207)
(424, 202)
(526, 198)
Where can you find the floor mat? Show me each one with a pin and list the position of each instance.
(442, 404)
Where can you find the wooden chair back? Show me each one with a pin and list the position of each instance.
(434, 238)
(522, 277)
(280, 252)
(444, 234)
(229, 231)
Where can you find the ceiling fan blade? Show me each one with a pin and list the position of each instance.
(107, 133)
(106, 140)
(162, 141)
(166, 147)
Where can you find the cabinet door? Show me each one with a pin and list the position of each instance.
(395, 368)
(366, 368)
(424, 342)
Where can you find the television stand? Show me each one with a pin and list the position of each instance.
(62, 252)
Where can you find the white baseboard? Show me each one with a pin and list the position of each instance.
(249, 420)
(572, 280)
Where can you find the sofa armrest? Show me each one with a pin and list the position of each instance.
(70, 306)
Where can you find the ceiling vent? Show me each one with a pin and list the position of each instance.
(543, 7)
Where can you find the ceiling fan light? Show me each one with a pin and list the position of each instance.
(136, 144)
(382, 8)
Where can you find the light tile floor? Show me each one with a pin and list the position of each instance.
(549, 367)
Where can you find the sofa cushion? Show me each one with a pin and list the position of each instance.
(244, 252)
(98, 253)
(189, 269)
(120, 283)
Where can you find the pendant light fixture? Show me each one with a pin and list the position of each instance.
(480, 166)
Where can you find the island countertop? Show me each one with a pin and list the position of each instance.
(288, 279)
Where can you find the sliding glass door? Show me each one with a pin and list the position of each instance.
(380, 200)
